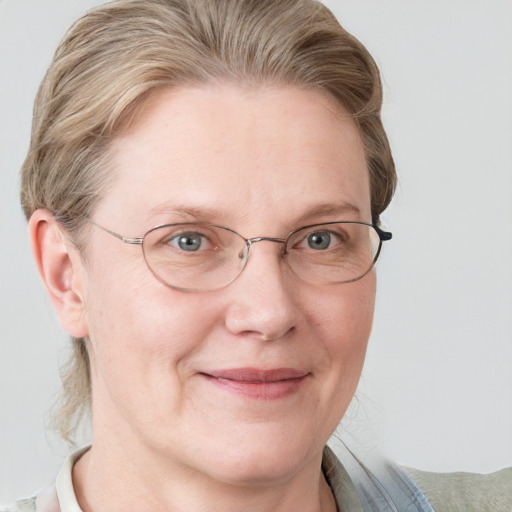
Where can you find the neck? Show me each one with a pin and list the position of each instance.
(110, 478)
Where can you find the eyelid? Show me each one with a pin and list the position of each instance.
(323, 226)
(306, 233)
(181, 230)
(175, 228)
(211, 234)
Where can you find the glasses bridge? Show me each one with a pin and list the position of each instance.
(251, 241)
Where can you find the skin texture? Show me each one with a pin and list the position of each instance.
(262, 161)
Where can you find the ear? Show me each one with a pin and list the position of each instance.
(61, 269)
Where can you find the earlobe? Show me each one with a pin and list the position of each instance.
(60, 267)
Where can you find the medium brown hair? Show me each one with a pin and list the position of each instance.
(114, 56)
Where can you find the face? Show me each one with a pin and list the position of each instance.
(179, 375)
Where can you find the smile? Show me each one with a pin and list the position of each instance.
(259, 384)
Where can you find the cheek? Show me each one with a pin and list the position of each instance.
(133, 320)
(345, 314)
(140, 324)
(141, 348)
(344, 320)
(139, 328)
(340, 321)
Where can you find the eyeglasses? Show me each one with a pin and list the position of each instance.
(195, 257)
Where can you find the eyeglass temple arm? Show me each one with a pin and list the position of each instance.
(383, 235)
(135, 241)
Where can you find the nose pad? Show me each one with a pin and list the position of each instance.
(243, 254)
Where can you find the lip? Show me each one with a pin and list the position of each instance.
(257, 383)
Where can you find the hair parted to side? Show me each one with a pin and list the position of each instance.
(114, 56)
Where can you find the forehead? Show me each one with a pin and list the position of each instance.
(238, 153)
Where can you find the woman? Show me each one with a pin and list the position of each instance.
(219, 356)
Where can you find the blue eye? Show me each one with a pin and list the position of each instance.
(319, 240)
(189, 242)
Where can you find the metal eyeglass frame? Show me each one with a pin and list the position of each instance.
(383, 237)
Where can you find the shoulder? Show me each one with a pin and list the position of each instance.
(56, 497)
(25, 505)
(453, 492)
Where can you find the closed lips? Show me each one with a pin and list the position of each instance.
(259, 384)
(255, 375)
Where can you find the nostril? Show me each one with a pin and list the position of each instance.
(277, 335)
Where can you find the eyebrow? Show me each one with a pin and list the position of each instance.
(201, 214)
(330, 209)
(206, 214)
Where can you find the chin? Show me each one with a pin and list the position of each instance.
(261, 460)
(257, 470)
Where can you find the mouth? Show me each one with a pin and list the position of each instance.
(259, 384)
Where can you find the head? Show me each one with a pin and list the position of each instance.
(121, 59)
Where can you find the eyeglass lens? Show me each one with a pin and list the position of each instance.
(200, 257)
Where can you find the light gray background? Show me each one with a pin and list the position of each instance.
(436, 391)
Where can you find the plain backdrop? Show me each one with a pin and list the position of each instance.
(436, 391)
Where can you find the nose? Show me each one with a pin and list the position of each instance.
(263, 299)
